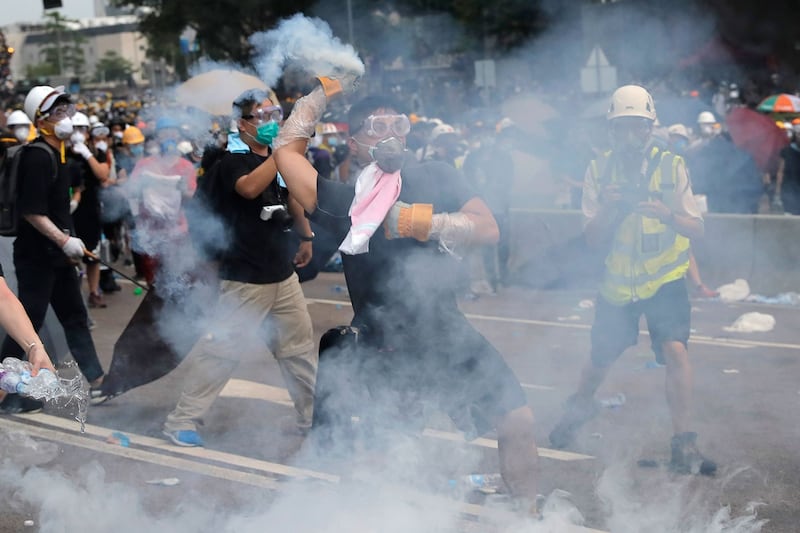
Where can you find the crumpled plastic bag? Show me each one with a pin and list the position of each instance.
(734, 292)
(752, 323)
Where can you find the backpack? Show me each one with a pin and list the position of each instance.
(9, 179)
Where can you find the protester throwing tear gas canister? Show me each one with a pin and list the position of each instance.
(638, 205)
(401, 227)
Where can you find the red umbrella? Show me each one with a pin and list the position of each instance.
(758, 135)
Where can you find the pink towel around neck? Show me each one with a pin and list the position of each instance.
(376, 193)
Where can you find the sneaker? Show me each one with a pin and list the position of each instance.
(687, 459)
(14, 404)
(186, 437)
(97, 396)
(96, 300)
(576, 414)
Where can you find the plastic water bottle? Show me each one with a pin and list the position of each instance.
(486, 483)
(105, 249)
(15, 377)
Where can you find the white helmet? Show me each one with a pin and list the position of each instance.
(678, 129)
(18, 118)
(40, 99)
(185, 147)
(93, 119)
(80, 120)
(631, 101)
(706, 117)
(441, 129)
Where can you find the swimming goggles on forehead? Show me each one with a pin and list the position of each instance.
(272, 113)
(379, 126)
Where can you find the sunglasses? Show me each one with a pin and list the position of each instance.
(266, 114)
(380, 126)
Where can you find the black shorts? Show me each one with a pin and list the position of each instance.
(456, 371)
(616, 327)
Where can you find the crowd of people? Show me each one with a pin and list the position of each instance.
(402, 200)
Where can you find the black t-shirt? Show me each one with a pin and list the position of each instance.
(82, 177)
(399, 282)
(40, 194)
(259, 251)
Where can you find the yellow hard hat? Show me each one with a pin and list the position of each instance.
(132, 135)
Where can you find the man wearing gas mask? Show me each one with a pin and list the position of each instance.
(259, 295)
(46, 250)
(638, 205)
(402, 227)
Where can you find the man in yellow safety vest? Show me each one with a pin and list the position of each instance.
(638, 205)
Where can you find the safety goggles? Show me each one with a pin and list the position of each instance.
(380, 126)
(60, 112)
(624, 125)
(266, 114)
(100, 131)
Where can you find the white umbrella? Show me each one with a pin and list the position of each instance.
(214, 91)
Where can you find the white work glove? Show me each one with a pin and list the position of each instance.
(83, 151)
(74, 248)
(73, 205)
(101, 145)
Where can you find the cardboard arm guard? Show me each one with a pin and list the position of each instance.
(409, 220)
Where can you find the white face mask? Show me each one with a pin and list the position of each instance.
(22, 132)
(63, 128)
(78, 138)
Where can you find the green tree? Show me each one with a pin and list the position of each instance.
(65, 49)
(41, 70)
(113, 67)
(222, 26)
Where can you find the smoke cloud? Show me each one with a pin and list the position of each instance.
(304, 43)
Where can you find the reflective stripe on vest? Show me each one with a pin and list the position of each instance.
(645, 253)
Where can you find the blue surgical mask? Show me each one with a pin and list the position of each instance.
(680, 146)
(168, 146)
(333, 141)
(266, 133)
(137, 150)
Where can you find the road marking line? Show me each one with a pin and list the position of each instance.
(536, 387)
(699, 339)
(242, 388)
(62, 437)
(198, 452)
(67, 434)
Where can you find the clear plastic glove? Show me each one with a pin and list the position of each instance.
(73, 205)
(301, 124)
(74, 248)
(101, 145)
(82, 150)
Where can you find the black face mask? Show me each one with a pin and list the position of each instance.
(389, 154)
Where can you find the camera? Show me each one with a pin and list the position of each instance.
(277, 214)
